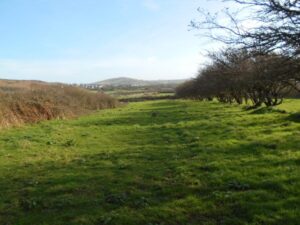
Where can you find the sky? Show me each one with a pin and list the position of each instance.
(82, 41)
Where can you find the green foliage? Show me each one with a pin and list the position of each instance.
(156, 162)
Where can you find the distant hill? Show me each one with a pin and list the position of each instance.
(126, 81)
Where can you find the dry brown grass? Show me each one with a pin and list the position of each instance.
(32, 101)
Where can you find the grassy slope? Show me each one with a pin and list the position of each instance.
(162, 162)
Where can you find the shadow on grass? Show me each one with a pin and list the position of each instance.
(264, 110)
(163, 112)
(171, 174)
(295, 117)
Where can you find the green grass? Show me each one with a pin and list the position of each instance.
(138, 94)
(290, 105)
(155, 163)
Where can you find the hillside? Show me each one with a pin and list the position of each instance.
(33, 101)
(13, 85)
(125, 81)
(157, 162)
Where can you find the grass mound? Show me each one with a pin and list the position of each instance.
(24, 102)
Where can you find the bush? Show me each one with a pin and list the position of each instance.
(24, 102)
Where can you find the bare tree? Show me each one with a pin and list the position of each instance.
(238, 75)
(277, 25)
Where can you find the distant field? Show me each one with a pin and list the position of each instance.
(137, 95)
(170, 162)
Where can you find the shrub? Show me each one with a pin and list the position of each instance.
(25, 102)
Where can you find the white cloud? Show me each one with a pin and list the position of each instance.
(151, 5)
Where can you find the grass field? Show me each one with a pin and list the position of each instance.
(155, 163)
(138, 95)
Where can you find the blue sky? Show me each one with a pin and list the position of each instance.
(91, 40)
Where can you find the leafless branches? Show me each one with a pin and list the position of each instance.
(242, 75)
(277, 25)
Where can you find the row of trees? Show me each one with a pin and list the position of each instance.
(239, 75)
(264, 64)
